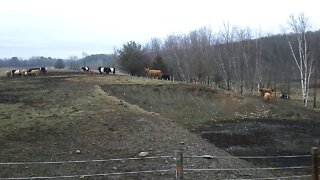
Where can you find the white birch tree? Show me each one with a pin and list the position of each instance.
(301, 53)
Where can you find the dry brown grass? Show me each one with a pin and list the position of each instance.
(48, 118)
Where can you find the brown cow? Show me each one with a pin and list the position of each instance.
(267, 96)
(265, 90)
(153, 73)
(8, 73)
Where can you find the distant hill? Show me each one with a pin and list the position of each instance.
(99, 60)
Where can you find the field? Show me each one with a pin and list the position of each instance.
(65, 116)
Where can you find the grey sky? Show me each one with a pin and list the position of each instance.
(63, 28)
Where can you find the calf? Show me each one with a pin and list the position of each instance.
(24, 72)
(265, 90)
(165, 77)
(9, 73)
(267, 96)
(284, 96)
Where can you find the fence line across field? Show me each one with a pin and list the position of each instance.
(271, 178)
(152, 157)
(93, 175)
(140, 172)
(84, 161)
(180, 166)
(247, 169)
(248, 157)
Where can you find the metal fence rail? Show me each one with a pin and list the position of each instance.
(180, 166)
(280, 177)
(248, 157)
(92, 175)
(84, 161)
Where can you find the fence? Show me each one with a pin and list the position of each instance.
(179, 166)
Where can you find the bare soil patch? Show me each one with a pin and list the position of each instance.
(240, 125)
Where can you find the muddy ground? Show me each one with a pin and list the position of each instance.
(265, 137)
(49, 118)
(242, 126)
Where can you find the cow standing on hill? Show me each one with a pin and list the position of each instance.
(106, 70)
(113, 70)
(85, 69)
(8, 73)
(24, 72)
(267, 97)
(265, 90)
(41, 69)
(34, 72)
(16, 72)
(284, 95)
(153, 73)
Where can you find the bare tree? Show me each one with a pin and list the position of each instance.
(300, 26)
(74, 63)
(84, 55)
(200, 41)
(174, 52)
(316, 55)
(226, 54)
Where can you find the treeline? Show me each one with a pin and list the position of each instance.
(31, 62)
(234, 59)
(73, 62)
(92, 61)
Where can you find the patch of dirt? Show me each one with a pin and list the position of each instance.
(241, 125)
(263, 135)
(266, 137)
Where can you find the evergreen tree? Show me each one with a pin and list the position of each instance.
(59, 64)
(133, 58)
(159, 64)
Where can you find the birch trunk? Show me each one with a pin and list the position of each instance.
(304, 63)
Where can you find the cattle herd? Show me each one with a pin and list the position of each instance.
(266, 93)
(102, 70)
(150, 73)
(26, 72)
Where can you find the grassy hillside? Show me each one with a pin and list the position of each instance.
(49, 118)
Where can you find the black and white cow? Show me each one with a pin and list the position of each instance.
(15, 72)
(85, 69)
(284, 96)
(106, 70)
(113, 70)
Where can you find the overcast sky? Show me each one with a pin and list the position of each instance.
(64, 28)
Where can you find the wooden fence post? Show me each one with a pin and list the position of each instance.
(179, 164)
(314, 164)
